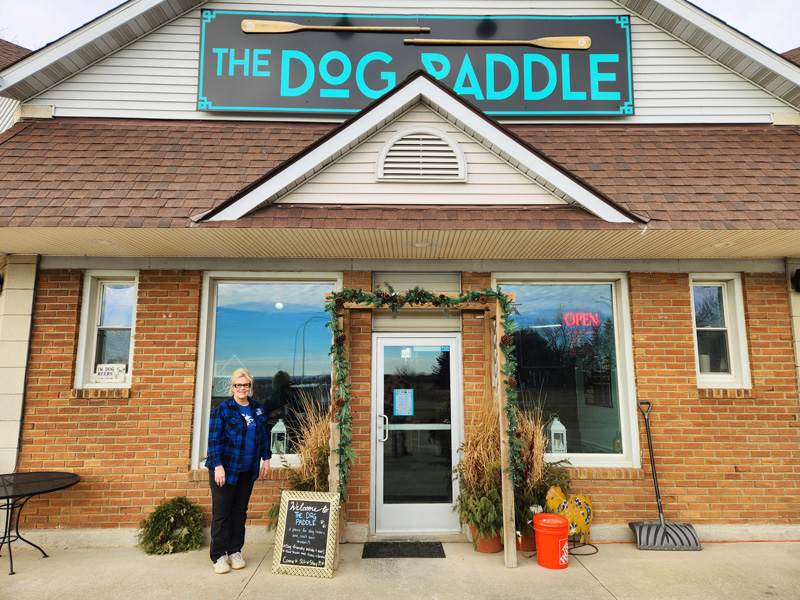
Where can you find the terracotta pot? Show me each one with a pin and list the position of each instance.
(487, 545)
(528, 541)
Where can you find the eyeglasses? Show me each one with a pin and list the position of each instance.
(239, 386)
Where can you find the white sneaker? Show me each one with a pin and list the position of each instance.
(237, 562)
(221, 566)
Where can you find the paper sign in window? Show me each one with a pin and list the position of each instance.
(403, 403)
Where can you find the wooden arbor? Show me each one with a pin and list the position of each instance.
(492, 304)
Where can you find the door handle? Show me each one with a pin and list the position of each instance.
(384, 427)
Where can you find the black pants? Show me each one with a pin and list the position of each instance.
(229, 514)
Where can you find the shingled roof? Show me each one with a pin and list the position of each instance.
(11, 53)
(140, 174)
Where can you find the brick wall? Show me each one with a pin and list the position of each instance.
(723, 457)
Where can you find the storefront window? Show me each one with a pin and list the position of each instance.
(567, 360)
(277, 331)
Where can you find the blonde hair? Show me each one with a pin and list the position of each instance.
(242, 372)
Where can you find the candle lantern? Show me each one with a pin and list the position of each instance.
(277, 439)
(557, 435)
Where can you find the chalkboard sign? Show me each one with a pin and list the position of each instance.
(305, 540)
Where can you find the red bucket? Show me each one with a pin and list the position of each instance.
(552, 533)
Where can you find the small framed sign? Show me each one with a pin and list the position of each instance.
(305, 540)
(114, 373)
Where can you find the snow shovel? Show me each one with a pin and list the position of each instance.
(661, 534)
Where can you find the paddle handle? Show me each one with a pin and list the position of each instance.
(258, 26)
(581, 42)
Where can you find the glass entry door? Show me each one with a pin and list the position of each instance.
(417, 417)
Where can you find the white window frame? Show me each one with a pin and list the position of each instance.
(87, 335)
(629, 430)
(203, 384)
(733, 307)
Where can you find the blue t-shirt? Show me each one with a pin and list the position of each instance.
(249, 458)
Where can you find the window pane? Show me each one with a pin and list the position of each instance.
(113, 346)
(567, 357)
(117, 305)
(708, 306)
(712, 347)
(277, 331)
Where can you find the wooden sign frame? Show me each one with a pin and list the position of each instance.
(330, 502)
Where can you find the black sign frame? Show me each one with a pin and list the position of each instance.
(316, 73)
(306, 536)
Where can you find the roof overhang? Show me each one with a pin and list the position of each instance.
(89, 44)
(419, 87)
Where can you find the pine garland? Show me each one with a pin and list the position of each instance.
(175, 526)
(395, 301)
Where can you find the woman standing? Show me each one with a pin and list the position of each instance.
(238, 438)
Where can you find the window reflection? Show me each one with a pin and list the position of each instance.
(277, 331)
(567, 360)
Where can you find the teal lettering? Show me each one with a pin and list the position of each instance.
(467, 72)
(565, 81)
(491, 92)
(431, 59)
(220, 52)
(335, 80)
(597, 77)
(260, 62)
(245, 62)
(528, 75)
(286, 58)
(389, 77)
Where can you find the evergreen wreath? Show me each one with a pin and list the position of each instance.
(175, 526)
(394, 301)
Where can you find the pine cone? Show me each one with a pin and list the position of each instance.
(483, 300)
(339, 303)
(337, 405)
(507, 340)
(340, 339)
(512, 382)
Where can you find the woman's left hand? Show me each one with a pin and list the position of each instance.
(265, 469)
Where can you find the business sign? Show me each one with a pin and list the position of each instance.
(338, 64)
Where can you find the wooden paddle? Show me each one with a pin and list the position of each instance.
(254, 26)
(581, 42)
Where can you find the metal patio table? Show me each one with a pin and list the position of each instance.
(15, 491)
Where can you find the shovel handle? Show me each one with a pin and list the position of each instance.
(645, 403)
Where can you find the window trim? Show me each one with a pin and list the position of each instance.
(629, 430)
(205, 348)
(87, 333)
(733, 301)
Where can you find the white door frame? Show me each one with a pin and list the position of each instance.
(379, 341)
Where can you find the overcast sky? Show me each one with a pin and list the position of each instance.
(34, 23)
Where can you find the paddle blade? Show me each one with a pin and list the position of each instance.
(581, 42)
(653, 535)
(255, 26)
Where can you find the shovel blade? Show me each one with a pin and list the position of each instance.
(655, 535)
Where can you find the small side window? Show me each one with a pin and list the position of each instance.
(720, 341)
(106, 336)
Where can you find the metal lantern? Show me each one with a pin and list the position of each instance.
(277, 438)
(557, 435)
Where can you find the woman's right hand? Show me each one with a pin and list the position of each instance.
(219, 475)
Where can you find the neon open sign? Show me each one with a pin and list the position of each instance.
(582, 319)
(505, 65)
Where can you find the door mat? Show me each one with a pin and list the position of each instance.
(403, 550)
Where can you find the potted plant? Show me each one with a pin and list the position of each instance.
(479, 473)
(536, 474)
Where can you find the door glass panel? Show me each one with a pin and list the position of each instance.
(417, 452)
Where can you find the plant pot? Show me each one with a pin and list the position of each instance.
(528, 541)
(489, 545)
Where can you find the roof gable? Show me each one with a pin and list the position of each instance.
(419, 88)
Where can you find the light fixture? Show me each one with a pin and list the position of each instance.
(557, 434)
(277, 438)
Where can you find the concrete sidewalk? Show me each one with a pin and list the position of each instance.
(721, 570)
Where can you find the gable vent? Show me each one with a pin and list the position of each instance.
(421, 154)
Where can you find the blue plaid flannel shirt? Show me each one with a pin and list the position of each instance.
(226, 438)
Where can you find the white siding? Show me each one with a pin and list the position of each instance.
(157, 76)
(7, 108)
(351, 180)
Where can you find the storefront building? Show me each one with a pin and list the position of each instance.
(183, 188)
